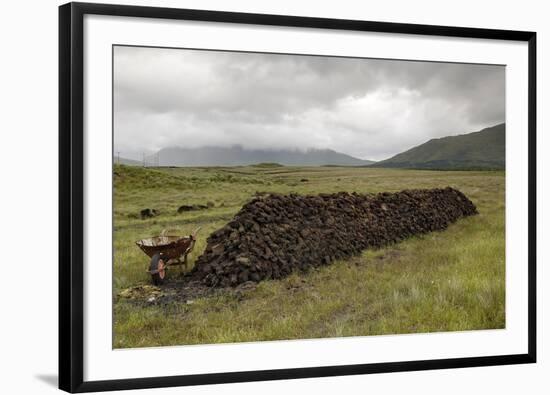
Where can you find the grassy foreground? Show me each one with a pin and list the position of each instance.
(443, 281)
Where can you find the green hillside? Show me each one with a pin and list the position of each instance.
(479, 150)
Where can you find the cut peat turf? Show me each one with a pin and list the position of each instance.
(274, 235)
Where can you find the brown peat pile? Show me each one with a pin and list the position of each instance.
(274, 235)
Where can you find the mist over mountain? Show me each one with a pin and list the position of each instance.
(484, 149)
(239, 156)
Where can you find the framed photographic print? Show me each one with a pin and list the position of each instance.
(251, 197)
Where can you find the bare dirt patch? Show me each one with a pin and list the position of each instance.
(180, 290)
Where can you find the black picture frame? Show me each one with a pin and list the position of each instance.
(71, 205)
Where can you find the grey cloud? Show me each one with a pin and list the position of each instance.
(368, 108)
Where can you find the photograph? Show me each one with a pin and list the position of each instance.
(290, 196)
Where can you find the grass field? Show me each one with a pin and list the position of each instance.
(443, 281)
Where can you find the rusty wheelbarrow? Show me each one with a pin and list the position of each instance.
(166, 250)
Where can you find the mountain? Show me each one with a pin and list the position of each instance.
(237, 156)
(479, 150)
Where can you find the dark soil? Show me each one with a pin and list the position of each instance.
(274, 235)
(181, 290)
(148, 213)
(194, 207)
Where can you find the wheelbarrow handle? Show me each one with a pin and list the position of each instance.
(194, 234)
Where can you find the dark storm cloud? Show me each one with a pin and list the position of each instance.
(363, 107)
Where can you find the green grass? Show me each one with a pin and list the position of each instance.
(443, 281)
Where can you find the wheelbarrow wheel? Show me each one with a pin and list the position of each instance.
(157, 268)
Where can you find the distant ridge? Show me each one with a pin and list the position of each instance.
(129, 162)
(484, 149)
(239, 156)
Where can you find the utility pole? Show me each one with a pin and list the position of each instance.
(144, 159)
(118, 157)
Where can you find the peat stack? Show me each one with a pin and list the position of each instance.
(274, 235)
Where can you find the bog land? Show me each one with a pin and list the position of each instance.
(451, 280)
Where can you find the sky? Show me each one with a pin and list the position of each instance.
(367, 108)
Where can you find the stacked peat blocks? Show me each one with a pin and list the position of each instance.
(274, 235)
